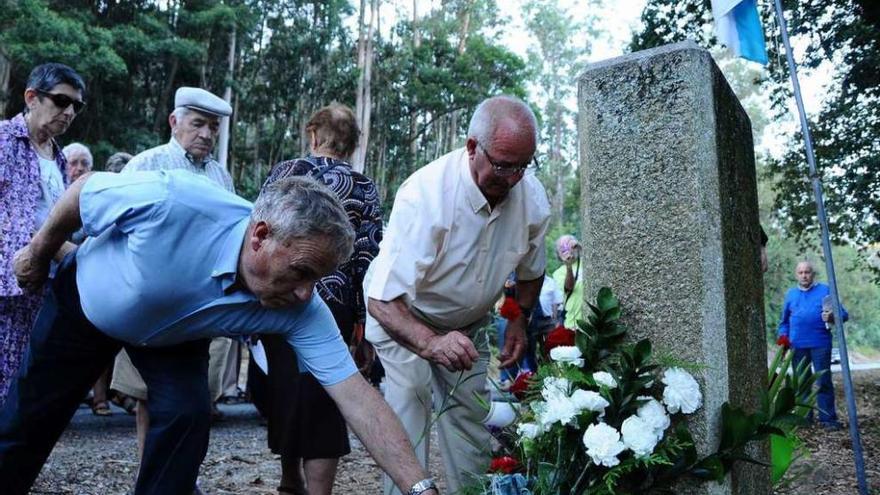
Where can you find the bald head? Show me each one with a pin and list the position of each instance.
(805, 274)
(507, 113)
(501, 142)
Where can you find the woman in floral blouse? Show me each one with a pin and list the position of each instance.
(305, 427)
(32, 171)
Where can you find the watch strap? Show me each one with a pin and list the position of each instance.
(422, 486)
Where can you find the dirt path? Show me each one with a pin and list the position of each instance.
(97, 455)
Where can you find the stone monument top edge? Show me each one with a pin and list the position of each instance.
(687, 45)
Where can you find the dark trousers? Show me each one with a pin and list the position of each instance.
(820, 360)
(66, 355)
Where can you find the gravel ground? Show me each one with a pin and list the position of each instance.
(97, 455)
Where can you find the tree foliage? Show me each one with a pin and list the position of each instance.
(291, 57)
(845, 36)
(563, 42)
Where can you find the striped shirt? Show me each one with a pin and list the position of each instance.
(172, 156)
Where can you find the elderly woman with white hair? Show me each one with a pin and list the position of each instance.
(79, 160)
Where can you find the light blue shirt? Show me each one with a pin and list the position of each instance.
(160, 263)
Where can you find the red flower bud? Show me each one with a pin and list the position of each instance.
(783, 341)
(560, 336)
(510, 309)
(506, 465)
(521, 384)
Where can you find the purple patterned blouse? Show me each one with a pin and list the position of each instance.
(19, 193)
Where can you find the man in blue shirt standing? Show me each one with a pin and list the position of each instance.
(805, 327)
(171, 258)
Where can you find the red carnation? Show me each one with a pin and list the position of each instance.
(521, 384)
(509, 309)
(560, 336)
(506, 465)
(784, 342)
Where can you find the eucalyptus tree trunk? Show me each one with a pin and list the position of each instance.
(561, 168)
(160, 116)
(223, 146)
(414, 116)
(363, 100)
(463, 31)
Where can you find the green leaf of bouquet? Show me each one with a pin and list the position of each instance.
(606, 299)
(784, 402)
(710, 468)
(736, 427)
(582, 342)
(769, 429)
(789, 421)
(781, 455)
(642, 352)
(612, 315)
(614, 331)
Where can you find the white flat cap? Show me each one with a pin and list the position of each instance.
(201, 100)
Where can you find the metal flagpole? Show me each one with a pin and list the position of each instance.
(829, 261)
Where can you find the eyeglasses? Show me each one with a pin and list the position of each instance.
(504, 169)
(63, 101)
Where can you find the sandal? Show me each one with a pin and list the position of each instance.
(101, 408)
(126, 402)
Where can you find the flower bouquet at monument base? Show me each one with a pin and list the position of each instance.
(601, 416)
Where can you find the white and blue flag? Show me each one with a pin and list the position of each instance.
(738, 26)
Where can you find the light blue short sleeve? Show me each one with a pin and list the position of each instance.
(109, 199)
(318, 344)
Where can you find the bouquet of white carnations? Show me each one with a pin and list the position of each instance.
(601, 416)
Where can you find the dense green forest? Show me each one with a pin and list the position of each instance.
(415, 76)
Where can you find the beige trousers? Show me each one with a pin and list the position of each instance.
(223, 367)
(409, 382)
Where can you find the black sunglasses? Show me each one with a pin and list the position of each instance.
(63, 101)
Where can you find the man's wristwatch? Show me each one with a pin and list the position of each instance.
(423, 486)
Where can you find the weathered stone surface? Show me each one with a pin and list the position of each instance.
(670, 223)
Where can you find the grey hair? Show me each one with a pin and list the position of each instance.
(73, 148)
(180, 112)
(117, 162)
(493, 110)
(300, 208)
(46, 76)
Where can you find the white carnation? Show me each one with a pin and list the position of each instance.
(682, 393)
(554, 387)
(605, 378)
(528, 430)
(638, 436)
(558, 409)
(653, 413)
(603, 444)
(587, 399)
(567, 354)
